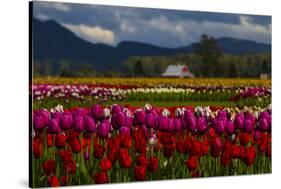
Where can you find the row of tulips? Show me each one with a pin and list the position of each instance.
(151, 82)
(157, 93)
(77, 92)
(123, 144)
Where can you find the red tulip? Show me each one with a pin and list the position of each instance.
(139, 173)
(71, 167)
(141, 160)
(112, 154)
(101, 178)
(98, 151)
(195, 148)
(75, 146)
(216, 147)
(225, 158)
(53, 181)
(125, 140)
(60, 140)
(204, 150)
(192, 163)
(153, 164)
(169, 150)
(37, 148)
(66, 156)
(249, 155)
(49, 140)
(244, 138)
(49, 167)
(125, 159)
(64, 180)
(235, 151)
(180, 146)
(105, 164)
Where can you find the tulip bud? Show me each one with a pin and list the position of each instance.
(152, 139)
(147, 107)
(165, 112)
(106, 113)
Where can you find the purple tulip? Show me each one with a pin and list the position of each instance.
(188, 113)
(263, 124)
(230, 128)
(163, 122)
(150, 120)
(124, 131)
(239, 121)
(79, 124)
(266, 115)
(250, 116)
(269, 120)
(41, 119)
(128, 121)
(80, 112)
(66, 120)
(56, 115)
(257, 135)
(171, 127)
(191, 124)
(116, 108)
(177, 124)
(54, 127)
(90, 124)
(222, 114)
(249, 126)
(201, 125)
(153, 112)
(139, 117)
(118, 120)
(45, 114)
(39, 122)
(86, 155)
(218, 125)
(103, 129)
(97, 112)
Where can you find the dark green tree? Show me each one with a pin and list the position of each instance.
(210, 53)
(232, 70)
(138, 69)
(265, 67)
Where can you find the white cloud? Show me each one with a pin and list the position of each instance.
(126, 27)
(56, 5)
(42, 17)
(189, 31)
(245, 30)
(164, 25)
(92, 33)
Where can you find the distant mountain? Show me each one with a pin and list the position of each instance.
(237, 46)
(54, 43)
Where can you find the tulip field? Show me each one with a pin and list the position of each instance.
(114, 130)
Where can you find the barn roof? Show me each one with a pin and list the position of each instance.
(177, 71)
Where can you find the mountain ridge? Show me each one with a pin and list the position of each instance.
(54, 42)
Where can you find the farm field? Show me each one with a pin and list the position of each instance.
(112, 130)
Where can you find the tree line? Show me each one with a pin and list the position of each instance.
(206, 60)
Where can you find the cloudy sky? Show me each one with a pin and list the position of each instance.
(169, 28)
